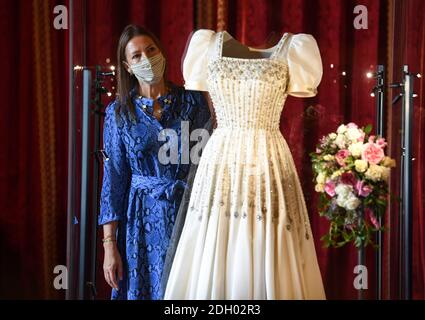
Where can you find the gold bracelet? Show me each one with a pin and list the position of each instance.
(109, 240)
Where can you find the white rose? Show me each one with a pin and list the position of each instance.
(352, 202)
(320, 187)
(332, 135)
(343, 190)
(353, 134)
(341, 129)
(336, 174)
(356, 149)
(374, 172)
(360, 165)
(341, 201)
(321, 178)
(341, 141)
(328, 157)
(348, 201)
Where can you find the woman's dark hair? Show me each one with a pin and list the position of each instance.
(126, 81)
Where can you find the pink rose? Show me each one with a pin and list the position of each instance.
(361, 138)
(372, 218)
(372, 138)
(381, 143)
(372, 153)
(341, 155)
(352, 125)
(318, 150)
(330, 188)
(362, 189)
(348, 178)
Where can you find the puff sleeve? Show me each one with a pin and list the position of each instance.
(305, 66)
(196, 60)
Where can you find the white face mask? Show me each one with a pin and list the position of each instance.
(149, 70)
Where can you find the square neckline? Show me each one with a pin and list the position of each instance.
(275, 49)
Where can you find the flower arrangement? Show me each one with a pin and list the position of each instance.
(351, 174)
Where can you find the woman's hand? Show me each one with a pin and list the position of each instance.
(112, 264)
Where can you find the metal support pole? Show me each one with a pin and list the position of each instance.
(380, 117)
(97, 114)
(407, 212)
(70, 254)
(361, 253)
(85, 167)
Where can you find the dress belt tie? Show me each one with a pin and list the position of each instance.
(158, 188)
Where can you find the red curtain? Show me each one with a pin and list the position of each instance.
(33, 149)
(416, 59)
(33, 59)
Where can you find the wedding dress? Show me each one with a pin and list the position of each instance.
(247, 233)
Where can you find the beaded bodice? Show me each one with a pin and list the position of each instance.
(247, 93)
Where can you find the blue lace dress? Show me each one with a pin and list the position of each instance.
(143, 193)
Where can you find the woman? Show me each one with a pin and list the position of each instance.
(142, 188)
